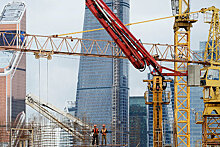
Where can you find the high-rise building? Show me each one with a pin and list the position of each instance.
(168, 115)
(13, 70)
(12, 66)
(202, 45)
(138, 122)
(196, 105)
(102, 90)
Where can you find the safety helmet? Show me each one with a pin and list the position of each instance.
(95, 125)
(103, 125)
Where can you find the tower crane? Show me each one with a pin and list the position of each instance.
(182, 26)
(211, 83)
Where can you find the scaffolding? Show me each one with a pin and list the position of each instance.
(40, 132)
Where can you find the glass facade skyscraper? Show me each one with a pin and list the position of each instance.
(202, 45)
(102, 89)
(138, 122)
(12, 67)
(196, 104)
(12, 78)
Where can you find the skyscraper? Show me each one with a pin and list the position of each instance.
(13, 70)
(196, 105)
(12, 67)
(138, 122)
(102, 90)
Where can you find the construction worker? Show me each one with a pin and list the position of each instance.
(95, 132)
(104, 131)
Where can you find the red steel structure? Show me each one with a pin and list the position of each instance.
(131, 47)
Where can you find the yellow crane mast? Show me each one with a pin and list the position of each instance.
(181, 27)
(160, 98)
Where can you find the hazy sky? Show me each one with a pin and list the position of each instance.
(48, 17)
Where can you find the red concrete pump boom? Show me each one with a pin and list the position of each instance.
(131, 47)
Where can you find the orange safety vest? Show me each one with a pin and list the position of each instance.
(96, 131)
(104, 132)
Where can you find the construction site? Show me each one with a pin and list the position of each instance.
(118, 90)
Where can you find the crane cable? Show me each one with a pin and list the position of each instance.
(129, 24)
(39, 88)
(47, 80)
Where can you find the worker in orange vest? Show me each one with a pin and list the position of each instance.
(95, 132)
(104, 131)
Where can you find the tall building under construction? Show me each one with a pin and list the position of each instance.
(13, 64)
(102, 90)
